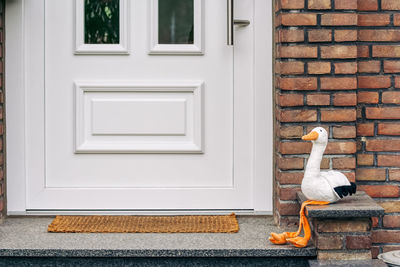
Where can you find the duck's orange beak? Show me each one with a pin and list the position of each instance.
(311, 136)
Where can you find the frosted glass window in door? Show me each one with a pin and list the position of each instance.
(175, 21)
(102, 22)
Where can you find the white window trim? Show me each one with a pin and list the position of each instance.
(82, 48)
(197, 48)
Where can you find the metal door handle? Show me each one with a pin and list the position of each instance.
(231, 22)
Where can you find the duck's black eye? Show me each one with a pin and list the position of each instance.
(320, 131)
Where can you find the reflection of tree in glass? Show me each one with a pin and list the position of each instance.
(101, 21)
(175, 21)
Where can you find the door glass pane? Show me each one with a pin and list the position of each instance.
(101, 21)
(175, 21)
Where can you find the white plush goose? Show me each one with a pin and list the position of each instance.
(321, 188)
(328, 186)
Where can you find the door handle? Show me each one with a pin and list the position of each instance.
(231, 22)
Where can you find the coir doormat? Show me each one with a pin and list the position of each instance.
(145, 224)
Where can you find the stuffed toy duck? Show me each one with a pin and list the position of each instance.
(321, 188)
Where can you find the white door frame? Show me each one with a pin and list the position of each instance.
(15, 83)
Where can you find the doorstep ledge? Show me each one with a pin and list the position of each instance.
(358, 205)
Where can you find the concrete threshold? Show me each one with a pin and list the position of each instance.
(28, 237)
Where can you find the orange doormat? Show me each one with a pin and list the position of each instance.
(144, 224)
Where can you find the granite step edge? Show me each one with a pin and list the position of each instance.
(358, 205)
(268, 252)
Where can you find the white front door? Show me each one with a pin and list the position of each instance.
(136, 105)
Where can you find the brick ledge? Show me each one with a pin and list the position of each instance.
(358, 205)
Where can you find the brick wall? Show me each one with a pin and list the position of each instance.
(378, 124)
(316, 84)
(338, 65)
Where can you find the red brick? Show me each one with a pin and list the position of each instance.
(374, 82)
(295, 147)
(387, 113)
(383, 145)
(291, 100)
(340, 148)
(288, 193)
(390, 5)
(298, 115)
(391, 66)
(390, 206)
(345, 4)
(380, 190)
(344, 132)
(291, 163)
(358, 242)
(343, 226)
(391, 221)
(375, 252)
(343, 99)
(373, 19)
(389, 161)
(319, 4)
(372, 66)
(386, 51)
(292, 4)
(318, 99)
(397, 82)
(385, 236)
(297, 83)
(365, 129)
(299, 51)
(396, 19)
(368, 97)
(339, 19)
(346, 68)
(389, 128)
(320, 35)
(291, 67)
(288, 208)
(291, 36)
(365, 159)
(346, 35)
(289, 132)
(367, 5)
(375, 222)
(343, 163)
(339, 51)
(345, 83)
(290, 177)
(298, 19)
(391, 97)
(339, 115)
(362, 51)
(325, 163)
(351, 176)
(370, 174)
(394, 175)
(324, 242)
(386, 35)
(319, 67)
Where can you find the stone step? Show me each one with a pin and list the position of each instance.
(28, 237)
